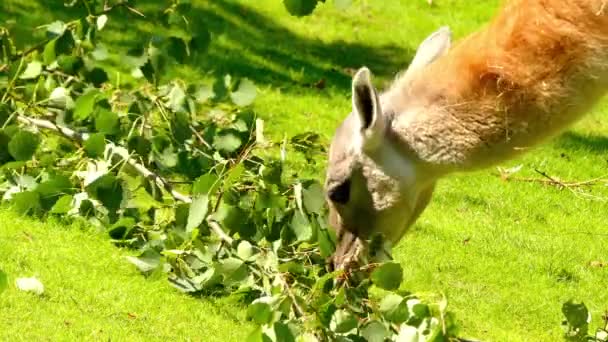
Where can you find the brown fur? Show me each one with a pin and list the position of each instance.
(536, 68)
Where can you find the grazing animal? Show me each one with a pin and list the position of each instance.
(535, 69)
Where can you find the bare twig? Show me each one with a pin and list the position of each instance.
(550, 180)
(217, 229)
(296, 307)
(555, 181)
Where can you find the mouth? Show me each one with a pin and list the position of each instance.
(347, 251)
(353, 251)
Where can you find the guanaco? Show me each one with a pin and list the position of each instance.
(536, 68)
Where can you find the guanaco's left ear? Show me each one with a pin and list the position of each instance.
(434, 46)
(366, 106)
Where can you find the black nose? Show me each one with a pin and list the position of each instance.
(340, 194)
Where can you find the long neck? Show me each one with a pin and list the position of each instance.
(535, 69)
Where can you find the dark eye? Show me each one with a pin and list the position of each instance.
(340, 194)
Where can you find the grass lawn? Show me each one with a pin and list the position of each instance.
(92, 294)
(507, 254)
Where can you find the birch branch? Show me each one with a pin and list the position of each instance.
(123, 154)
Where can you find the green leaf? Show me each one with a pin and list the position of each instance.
(227, 142)
(200, 40)
(5, 155)
(257, 336)
(388, 276)
(421, 310)
(101, 22)
(56, 29)
(198, 211)
(234, 174)
(140, 145)
(244, 250)
(234, 270)
(3, 281)
(60, 98)
(168, 158)
(283, 333)
(70, 64)
(63, 205)
(33, 70)
(148, 71)
(178, 49)
(27, 202)
(205, 184)
(327, 245)
(49, 54)
(177, 98)
(300, 8)
(122, 228)
(5, 113)
(95, 145)
(343, 321)
(375, 331)
(577, 315)
(55, 186)
(292, 267)
(85, 104)
(106, 122)
(100, 53)
(148, 261)
(301, 227)
(245, 93)
(108, 190)
(204, 93)
(260, 312)
(97, 76)
(23, 145)
(180, 127)
(394, 308)
(314, 198)
(63, 44)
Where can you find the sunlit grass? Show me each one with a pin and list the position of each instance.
(507, 254)
(93, 294)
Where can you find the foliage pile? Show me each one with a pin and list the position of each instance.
(182, 172)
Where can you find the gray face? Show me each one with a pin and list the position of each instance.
(364, 197)
(368, 181)
(372, 183)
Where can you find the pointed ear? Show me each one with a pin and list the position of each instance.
(366, 106)
(434, 46)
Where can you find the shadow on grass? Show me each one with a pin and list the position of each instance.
(245, 43)
(576, 141)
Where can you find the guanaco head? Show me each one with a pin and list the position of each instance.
(373, 183)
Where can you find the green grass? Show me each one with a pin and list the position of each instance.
(92, 294)
(507, 254)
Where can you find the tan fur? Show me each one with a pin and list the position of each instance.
(535, 69)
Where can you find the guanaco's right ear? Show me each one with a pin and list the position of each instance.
(366, 107)
(434, 46)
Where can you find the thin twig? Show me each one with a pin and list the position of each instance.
(199, 137)
(296, 307)
(556, 182)
(217, 229)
